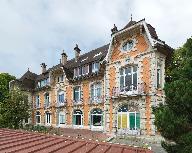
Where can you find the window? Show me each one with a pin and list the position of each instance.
(38, 118)
(127, 46)
(48, 118)
(95, 67)
(85, 69)
(77, 94)
(61, 97)
(43, 83)
(96, 117)
(159, 76)
(61, 118)
(60, 78)
(37, 101)
(76, 72)
(128, 78)
(47, 102)
(77, 117)
(96, 92)
(128, 120)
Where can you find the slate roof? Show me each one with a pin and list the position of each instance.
(14, 141)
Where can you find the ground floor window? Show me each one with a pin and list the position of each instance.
(77, 117)
(96, 117)
(61, 118)
(48, 118)
(128, 119)
(38, 118)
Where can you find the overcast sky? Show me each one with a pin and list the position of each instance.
(36, 31)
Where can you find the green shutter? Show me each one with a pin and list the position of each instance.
(138, 120)
(132, 120)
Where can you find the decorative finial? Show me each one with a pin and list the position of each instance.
(28, 69)
(131, 17)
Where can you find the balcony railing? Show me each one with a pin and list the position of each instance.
(77, 101)
(96, 99)
(47, 104)
(61, 103)
(131, 90)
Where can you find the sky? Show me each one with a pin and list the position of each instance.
(36, 31)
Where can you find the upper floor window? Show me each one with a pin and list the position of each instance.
(60, 78)
(77, 93)
(61, 97)
(37, 101)
(85, 69)
(47, 102)
(43, 82)
(128, 78)
(128, 45)
(96, 92)
(159, 76)
(95, 67)
(76, 72)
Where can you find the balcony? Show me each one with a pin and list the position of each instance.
(47, 104)
(61, 103)
(132, 90)
(96, 99)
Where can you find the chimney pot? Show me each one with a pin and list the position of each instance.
(77, 52)
(63, 58)
(43, 66)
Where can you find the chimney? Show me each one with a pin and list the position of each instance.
(77, 52)
(63, 58)
(43, 66)
(114, 30)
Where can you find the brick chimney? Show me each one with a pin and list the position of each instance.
(63, 58)
(114, 30)
(43, 66)
(77, 52)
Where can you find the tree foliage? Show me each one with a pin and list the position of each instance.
(5, 78)
(14, 110)
(174, 119)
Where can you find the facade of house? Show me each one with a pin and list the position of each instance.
(110, 89)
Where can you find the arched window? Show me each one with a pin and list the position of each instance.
(97, 117)
(38, 118)
(77, 117)
(128, 119)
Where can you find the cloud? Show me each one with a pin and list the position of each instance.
(32, 32)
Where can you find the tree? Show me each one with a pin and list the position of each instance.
(5, 78)
(14, 110)
(174, 119)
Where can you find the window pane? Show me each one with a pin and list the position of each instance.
(121, 71)
(121, 82)
(128, 70)
(135, 81)
(128, 82)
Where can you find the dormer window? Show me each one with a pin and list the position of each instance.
(76, 72)
(60, 78)
(85, 69)
(95, 67)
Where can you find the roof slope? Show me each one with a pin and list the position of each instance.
(23, 142)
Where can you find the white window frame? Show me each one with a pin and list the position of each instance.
(85, 66)
(159, 77)
(95, 86)
(94, 69)
(46, 102)
(78, 92)
(37, 100)
(124, 76)
(39, 118)
(48, 118)
(61, 93)
(62, 113)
